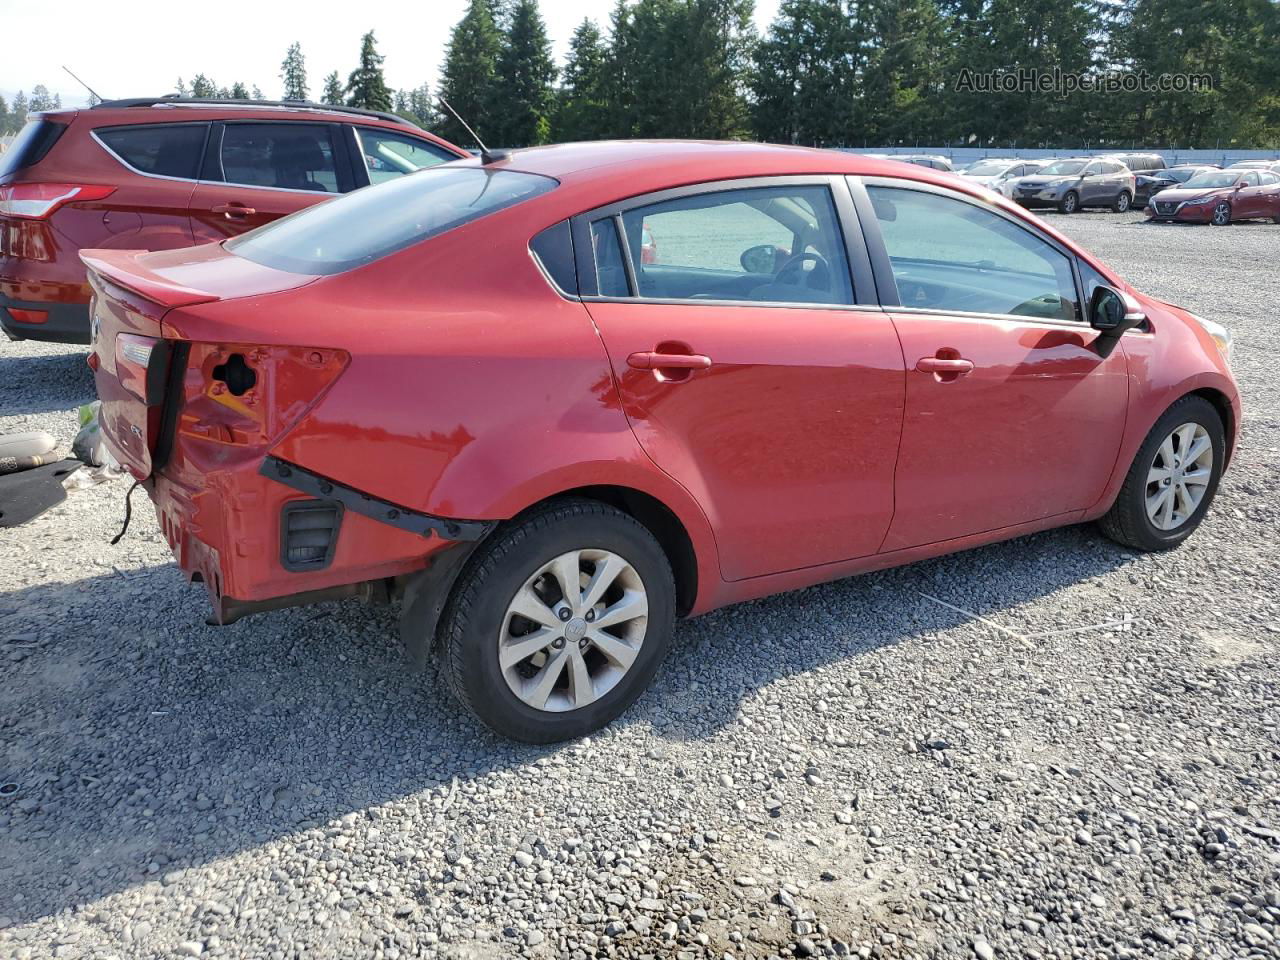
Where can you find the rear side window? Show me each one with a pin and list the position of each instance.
(554, 249)
(30, 146)
(389, 155)
(363, 226)
(286, 156)
(161, 149)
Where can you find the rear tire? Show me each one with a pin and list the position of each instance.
(1122, 202)
(1131, 520)
(561, 648)
(1221, 216)
(1069, 203)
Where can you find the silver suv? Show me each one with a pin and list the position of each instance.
(1070, 185)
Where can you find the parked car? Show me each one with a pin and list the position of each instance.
(999, 174)
(471, 391)
(163, 173)
(1138, 162)
(1220, 197)
(1070, 185)
(1147, 185)
(932, 161)
(1272, 166)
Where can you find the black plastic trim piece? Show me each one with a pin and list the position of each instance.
(425, 597)
(172, 397)
(307, 506)
(285, 104)
(322, 488)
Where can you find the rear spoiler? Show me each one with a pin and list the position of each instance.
(125, 269)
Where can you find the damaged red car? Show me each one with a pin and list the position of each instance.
(482, 391)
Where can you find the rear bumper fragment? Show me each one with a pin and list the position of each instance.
(424, 524)
(63, 322)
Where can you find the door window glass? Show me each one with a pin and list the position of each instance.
(389, 155)
(611, 270)
(287, 156)
(768, 244)
(161, 149)
(951, 255)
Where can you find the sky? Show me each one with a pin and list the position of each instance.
(141, 47)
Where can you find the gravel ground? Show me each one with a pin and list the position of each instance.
(853, 769)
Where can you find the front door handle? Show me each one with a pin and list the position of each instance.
(234, 211)
(952, 365)
(652, 360)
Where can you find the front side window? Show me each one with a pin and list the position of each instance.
(284, 156)
(763, 244)
(160, 149)
(389, 155)
(360, 227)
(951, 255)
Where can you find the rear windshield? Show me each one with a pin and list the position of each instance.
(30, 146)
(361, 227)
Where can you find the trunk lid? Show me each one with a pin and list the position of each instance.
(138, 360)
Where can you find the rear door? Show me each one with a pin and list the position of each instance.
(752, 366)
(1251, 199)
(1011, 414)
(1092, 186)
(257, 171)
(1270, 190)
(149, 211)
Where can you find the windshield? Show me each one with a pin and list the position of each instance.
(1064, 168)
(363, 226)
(988, 168)
(1177, 176)
(1222, 179)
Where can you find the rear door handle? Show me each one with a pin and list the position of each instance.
(652, 360)
(943, 365)
(234, 211)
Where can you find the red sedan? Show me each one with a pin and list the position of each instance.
(1220, 197)
(469, 390)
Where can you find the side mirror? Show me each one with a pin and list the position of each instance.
(762, 258)
(1239, 185)
(1111, 313)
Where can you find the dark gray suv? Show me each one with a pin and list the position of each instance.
(1070, 185)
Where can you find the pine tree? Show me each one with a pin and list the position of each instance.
(293, 71)
(18, 112)
(239, 91)
(526, 72)
(583, 113)
(203, 87)
(257, 93)
(903, 80)
(4, 116)
(181, 88)
(41, 99)
(366, 87)
(333, 93)
(422, 109)
(468, 80)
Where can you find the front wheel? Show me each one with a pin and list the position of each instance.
(559, 622)
(1070, 203)
(1222, 214)
(1173, 479)
(1121, 204)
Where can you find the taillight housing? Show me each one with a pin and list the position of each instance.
(38, 201)
(141, 365)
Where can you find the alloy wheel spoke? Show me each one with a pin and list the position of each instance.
(581, 690)
(521, 648)
(1197, 450)
(1197, 478)
(539, 687)
(565, 568)
(1186, 434)
(633, 604)
(1166, 452)
(606, 573)
(1158, 474)
(1168, 509)
(1156, 504)
(530, 606)
(617, 651)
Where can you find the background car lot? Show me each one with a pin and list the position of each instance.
(854, 762)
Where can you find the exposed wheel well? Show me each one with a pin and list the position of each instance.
(1223, 406)
(662, 523)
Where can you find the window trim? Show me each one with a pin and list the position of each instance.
(861, 276)
(212, 171)
(887, 285)
(208, 126)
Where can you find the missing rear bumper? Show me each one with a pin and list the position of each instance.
(423, 524)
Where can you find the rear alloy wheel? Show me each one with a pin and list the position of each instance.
(559, 622)
(1222, 214)
(1070, 203)
(1173, 479)
(1121, 204)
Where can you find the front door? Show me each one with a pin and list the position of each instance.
(746, 370)
(257, 172)
(1011, 414)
